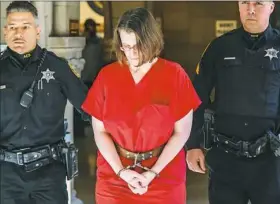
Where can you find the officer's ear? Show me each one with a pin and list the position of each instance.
(38, 29)
(272, 5)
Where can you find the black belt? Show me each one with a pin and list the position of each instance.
(241, 148)
(32, 158)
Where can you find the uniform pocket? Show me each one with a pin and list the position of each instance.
(240, 85)
(272, 85)
(49, 99)
(7, 101)
(272, 73)
(9, 105)
(229, 72)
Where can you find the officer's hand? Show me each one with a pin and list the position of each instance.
(196, 160)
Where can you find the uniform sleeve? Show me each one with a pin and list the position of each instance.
(184, 97)
(72, 86)
(203, 83)
(278, 116)
(94, 103)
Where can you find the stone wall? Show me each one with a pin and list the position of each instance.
(3, 6)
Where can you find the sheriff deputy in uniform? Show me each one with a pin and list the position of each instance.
(244, 68)
(35, 86)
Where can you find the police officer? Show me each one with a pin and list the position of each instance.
(35, 86)
(244, 68)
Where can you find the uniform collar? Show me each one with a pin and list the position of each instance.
(256, 40)
(35, 54)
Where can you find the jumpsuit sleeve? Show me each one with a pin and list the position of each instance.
(184, 97)
(204, 82)
(94, 103)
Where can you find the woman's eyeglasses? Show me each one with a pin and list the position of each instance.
(127, 48)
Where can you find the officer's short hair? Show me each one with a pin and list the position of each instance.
(148, 34)
(22, 6)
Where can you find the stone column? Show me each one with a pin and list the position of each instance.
(63, 12)
(3, 6)
(150, 6)
(69, 47)
(42, 21)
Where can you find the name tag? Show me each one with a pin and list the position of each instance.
(229, 58)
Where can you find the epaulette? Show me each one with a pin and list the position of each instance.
(2, 55)
(229, 33)
(54, 55)
(277, 31)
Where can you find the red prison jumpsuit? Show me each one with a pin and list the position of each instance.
(141, 117)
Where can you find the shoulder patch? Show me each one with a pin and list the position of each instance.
(197, 69)
(74, 70)
(198, 65)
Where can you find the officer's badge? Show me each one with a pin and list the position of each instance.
(48, 75)
(74, 70)
(271, 53)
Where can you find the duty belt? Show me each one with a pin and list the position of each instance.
(241, 148)
(32, 158)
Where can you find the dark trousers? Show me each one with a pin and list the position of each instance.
(46, 185)
(235, 180)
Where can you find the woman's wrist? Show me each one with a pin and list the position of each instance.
(156, 174)
(156, 169)
(121, 171)
(117, 168)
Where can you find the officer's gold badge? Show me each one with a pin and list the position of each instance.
(27, 55)
(74, 70)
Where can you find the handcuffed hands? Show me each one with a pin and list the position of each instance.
(137, 183)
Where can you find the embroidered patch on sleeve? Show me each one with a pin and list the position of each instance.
(74, 70)
(197, 69)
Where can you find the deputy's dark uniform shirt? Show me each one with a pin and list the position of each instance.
(43, 122)
(244, 69)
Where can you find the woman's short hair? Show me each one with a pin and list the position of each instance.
(148, 34)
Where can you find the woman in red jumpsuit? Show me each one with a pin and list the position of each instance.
(141, 109)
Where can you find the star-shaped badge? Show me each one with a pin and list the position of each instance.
(48, 75)
(271, 53)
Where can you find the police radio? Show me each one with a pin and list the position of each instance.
(27, 97)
